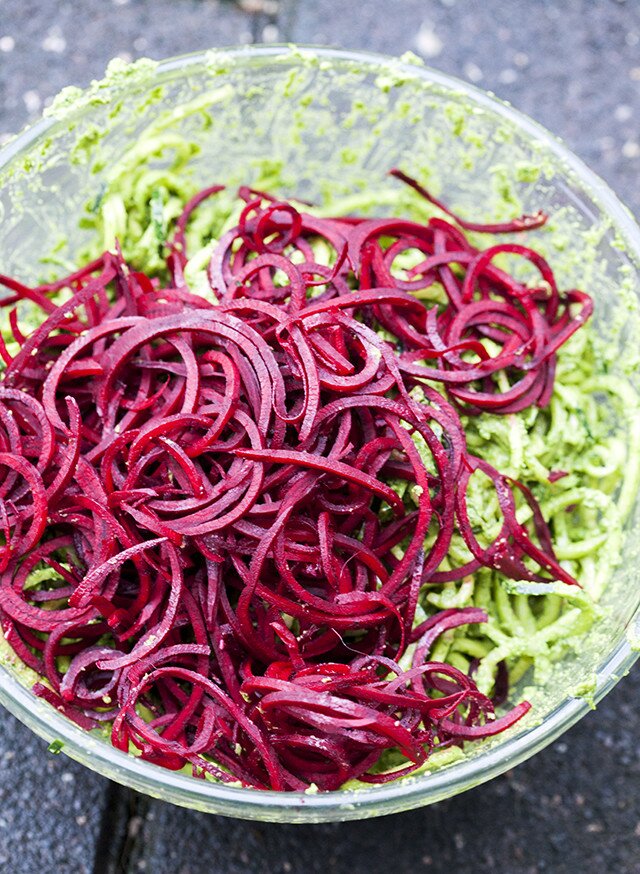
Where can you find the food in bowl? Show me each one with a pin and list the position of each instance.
(292, 494)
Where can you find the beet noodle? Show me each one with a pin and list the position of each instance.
(200, 540)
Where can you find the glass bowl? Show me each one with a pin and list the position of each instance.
(319, 120)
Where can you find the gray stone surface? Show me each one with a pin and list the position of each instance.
(575, 66)
(50, 807)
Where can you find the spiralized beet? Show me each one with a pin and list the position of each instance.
(199, 507)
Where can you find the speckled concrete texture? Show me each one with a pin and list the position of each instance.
(575, 66)
(50, 807)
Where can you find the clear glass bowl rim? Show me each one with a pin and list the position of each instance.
(401, 795)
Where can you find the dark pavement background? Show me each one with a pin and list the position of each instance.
(575, 66)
